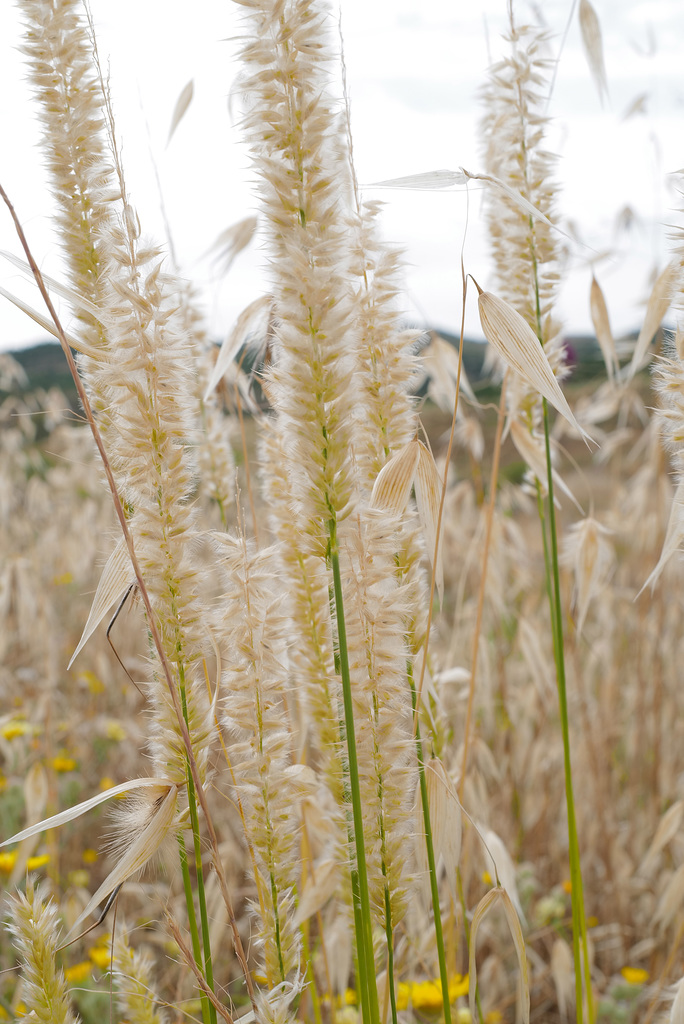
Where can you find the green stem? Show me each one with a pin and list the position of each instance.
(577, 892)
(276, 922)
(361, 962)
(360, 896)
(204, 917)
(439, 935)
(579, 926)
(390, 953)
(192, 919)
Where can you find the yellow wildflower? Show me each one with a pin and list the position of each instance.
(62, 579)
(7, 860)
(105, 783)
(80, 877)
(458, 986)
(95, 684)
(487, 878)
(64, 764)
(423, 995)
(635, 975)
(33, 863)
(100, 955)
(15, 728)
(79, 972)
(494, 1017)
(89, 856)
(115, 731)
(426, 995)
(566, 885)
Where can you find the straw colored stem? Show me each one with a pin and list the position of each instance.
(192, 918)
(208, 993)
(577, 894)
(483, 584)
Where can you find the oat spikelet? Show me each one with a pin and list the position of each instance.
(601, 322)
(497, 895)
(590, 554)
(593, 45)
(531, 447)
(517, 344)
(414, 467)
(35, 927)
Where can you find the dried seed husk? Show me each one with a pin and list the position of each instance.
(518, 345)
(658, 304)
(601, 322)
(593, 45)
(116, 576)
(487, 901)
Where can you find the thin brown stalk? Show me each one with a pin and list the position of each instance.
(121, 516)
(501, 415)
(447, 460)
(190, 962)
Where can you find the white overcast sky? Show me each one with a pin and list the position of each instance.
(415, 68)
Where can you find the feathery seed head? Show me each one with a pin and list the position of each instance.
(525, 250)
(35, 926)
(133, 979)
(303, 178)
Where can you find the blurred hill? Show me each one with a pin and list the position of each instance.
(46, 367)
